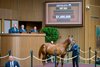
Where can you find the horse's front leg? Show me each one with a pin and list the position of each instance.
(57, 62)
(62, 61)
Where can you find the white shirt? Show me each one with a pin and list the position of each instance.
(14, 29)
(12, 64)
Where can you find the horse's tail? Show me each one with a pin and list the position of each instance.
(41, 50)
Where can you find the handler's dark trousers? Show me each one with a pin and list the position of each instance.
(75, 62)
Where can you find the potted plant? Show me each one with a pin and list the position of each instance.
(52, 34)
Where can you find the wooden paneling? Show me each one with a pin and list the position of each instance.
(0, 44)
(8, 9)
(95, 2)
(92, 18)
(0, 50)
(0, 26)
(27, 10)
(21, 45)
(5, 9)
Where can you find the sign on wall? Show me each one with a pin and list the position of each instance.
(63, 14)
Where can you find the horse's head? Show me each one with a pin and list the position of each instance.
(70, 39)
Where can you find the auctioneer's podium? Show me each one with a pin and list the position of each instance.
(21, 45)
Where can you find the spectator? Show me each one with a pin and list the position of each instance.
(14, 29)
(34, 29)
(22, 29)
(12, 62)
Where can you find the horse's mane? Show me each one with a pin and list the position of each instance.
(67, 40)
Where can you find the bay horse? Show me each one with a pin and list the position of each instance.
(49, 48)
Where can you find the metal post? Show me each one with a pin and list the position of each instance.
(31, 58)
(89, 55)
(55, 58)
(95, 57)
(9, 52)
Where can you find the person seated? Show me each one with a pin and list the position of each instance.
(34, 29)
(11, 62)
(14, 29)
(22, 29)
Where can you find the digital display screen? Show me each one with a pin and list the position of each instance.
(64, 13)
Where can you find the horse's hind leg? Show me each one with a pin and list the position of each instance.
(57, 62)
(44, 57)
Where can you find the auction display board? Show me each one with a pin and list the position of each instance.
(63, 13)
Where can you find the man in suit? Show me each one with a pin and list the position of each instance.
(14, 29)
(75, 53)
(12, 62)
(34, 29)
(22, 29)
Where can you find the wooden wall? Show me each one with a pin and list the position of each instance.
(21, 45)
(0, 45)
(0, 32)
(28, 10)
(92, 18)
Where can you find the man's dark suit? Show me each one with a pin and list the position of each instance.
(22, 30)
(13, 30)
(16, 64)
(32, 30)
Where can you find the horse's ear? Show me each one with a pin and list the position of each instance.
(72, 36)
(68, 35)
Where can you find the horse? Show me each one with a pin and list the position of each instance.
(49, 48)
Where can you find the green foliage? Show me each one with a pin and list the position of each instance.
(52, 34)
